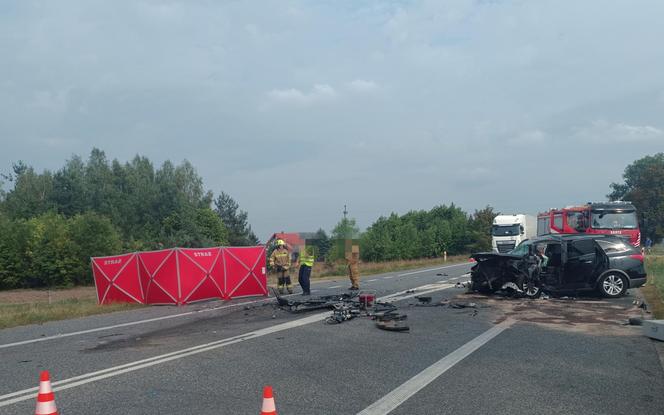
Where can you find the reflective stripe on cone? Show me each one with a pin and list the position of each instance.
(45, 397)
(268, 402)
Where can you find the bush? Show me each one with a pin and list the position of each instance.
(50, 250)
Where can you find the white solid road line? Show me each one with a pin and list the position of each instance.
(401, 394)
(375, 279)
(431, 269)
(151, 320)
(131, 323)
(26, 394)
(335, 286)
(140, 364)
(429, 288)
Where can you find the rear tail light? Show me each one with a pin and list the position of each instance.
(638, 257)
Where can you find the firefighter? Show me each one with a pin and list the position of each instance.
(353, 260)
(280, 262)
(306, 261)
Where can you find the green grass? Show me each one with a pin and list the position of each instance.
(12, 315)
(653, 291)
(370, 268)
(22, 307)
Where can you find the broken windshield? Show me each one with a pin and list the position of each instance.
(523, 248)
(607, 219)
(505, 230)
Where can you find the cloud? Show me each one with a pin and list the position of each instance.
(528, 137)
(223, 84)
(361, 85)
(602, 130)
(318, 93)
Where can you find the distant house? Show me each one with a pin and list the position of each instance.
(294, 240)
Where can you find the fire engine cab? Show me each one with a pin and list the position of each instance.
(611, 218)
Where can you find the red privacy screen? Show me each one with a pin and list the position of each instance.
(181, 275)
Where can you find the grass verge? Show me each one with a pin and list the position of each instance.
(369, 268)
(22, 307)
(653, 291)
(12, 315)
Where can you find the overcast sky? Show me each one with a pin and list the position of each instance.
(296, 108)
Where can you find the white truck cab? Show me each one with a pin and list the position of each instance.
(508, 231)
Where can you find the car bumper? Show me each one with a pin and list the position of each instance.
(637, 282)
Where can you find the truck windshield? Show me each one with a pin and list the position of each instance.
(505, 230)
(607, 219)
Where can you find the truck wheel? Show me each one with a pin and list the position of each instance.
(613, 285)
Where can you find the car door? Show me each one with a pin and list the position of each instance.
(581, 262)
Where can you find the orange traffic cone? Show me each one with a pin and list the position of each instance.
(45, 397)
(268, 402)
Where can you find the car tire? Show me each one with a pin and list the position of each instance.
(613, 285)
(534, 291)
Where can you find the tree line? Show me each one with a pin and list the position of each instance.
(51, 223)
(416, 234)
(643, 185)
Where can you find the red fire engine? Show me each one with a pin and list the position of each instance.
(613, 218)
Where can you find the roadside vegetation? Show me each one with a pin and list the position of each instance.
(51, 223)
(653, 291)
(323, 270)
(12, 315)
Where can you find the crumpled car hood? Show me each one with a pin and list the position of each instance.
(483, 256)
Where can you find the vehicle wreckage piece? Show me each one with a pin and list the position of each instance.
(312, 303)
(380, 309)
(509, 272)
(346, 307)
(393, 322)
(343, 312)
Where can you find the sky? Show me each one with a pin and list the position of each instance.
(297, 108)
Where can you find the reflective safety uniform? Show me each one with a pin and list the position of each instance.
(306, 264)
(354, 270)
(280, 262)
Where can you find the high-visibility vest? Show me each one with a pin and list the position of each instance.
(306, 258)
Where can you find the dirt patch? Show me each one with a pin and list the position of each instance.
(42, 296)
(586, 315)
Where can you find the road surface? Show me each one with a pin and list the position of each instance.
(505, 356)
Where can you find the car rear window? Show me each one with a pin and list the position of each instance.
(613, 246)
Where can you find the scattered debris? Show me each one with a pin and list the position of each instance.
(635, 321)
(462, 284)
(463, 305)
(393, 322)
(349, 306)
(312, 303)
(343, 312)
(424, 300)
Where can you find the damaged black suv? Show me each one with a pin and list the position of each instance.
(556, 263)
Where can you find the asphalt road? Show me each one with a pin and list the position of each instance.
(501, 357)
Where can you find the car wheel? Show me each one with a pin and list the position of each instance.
(531, 290)
(612, 285)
